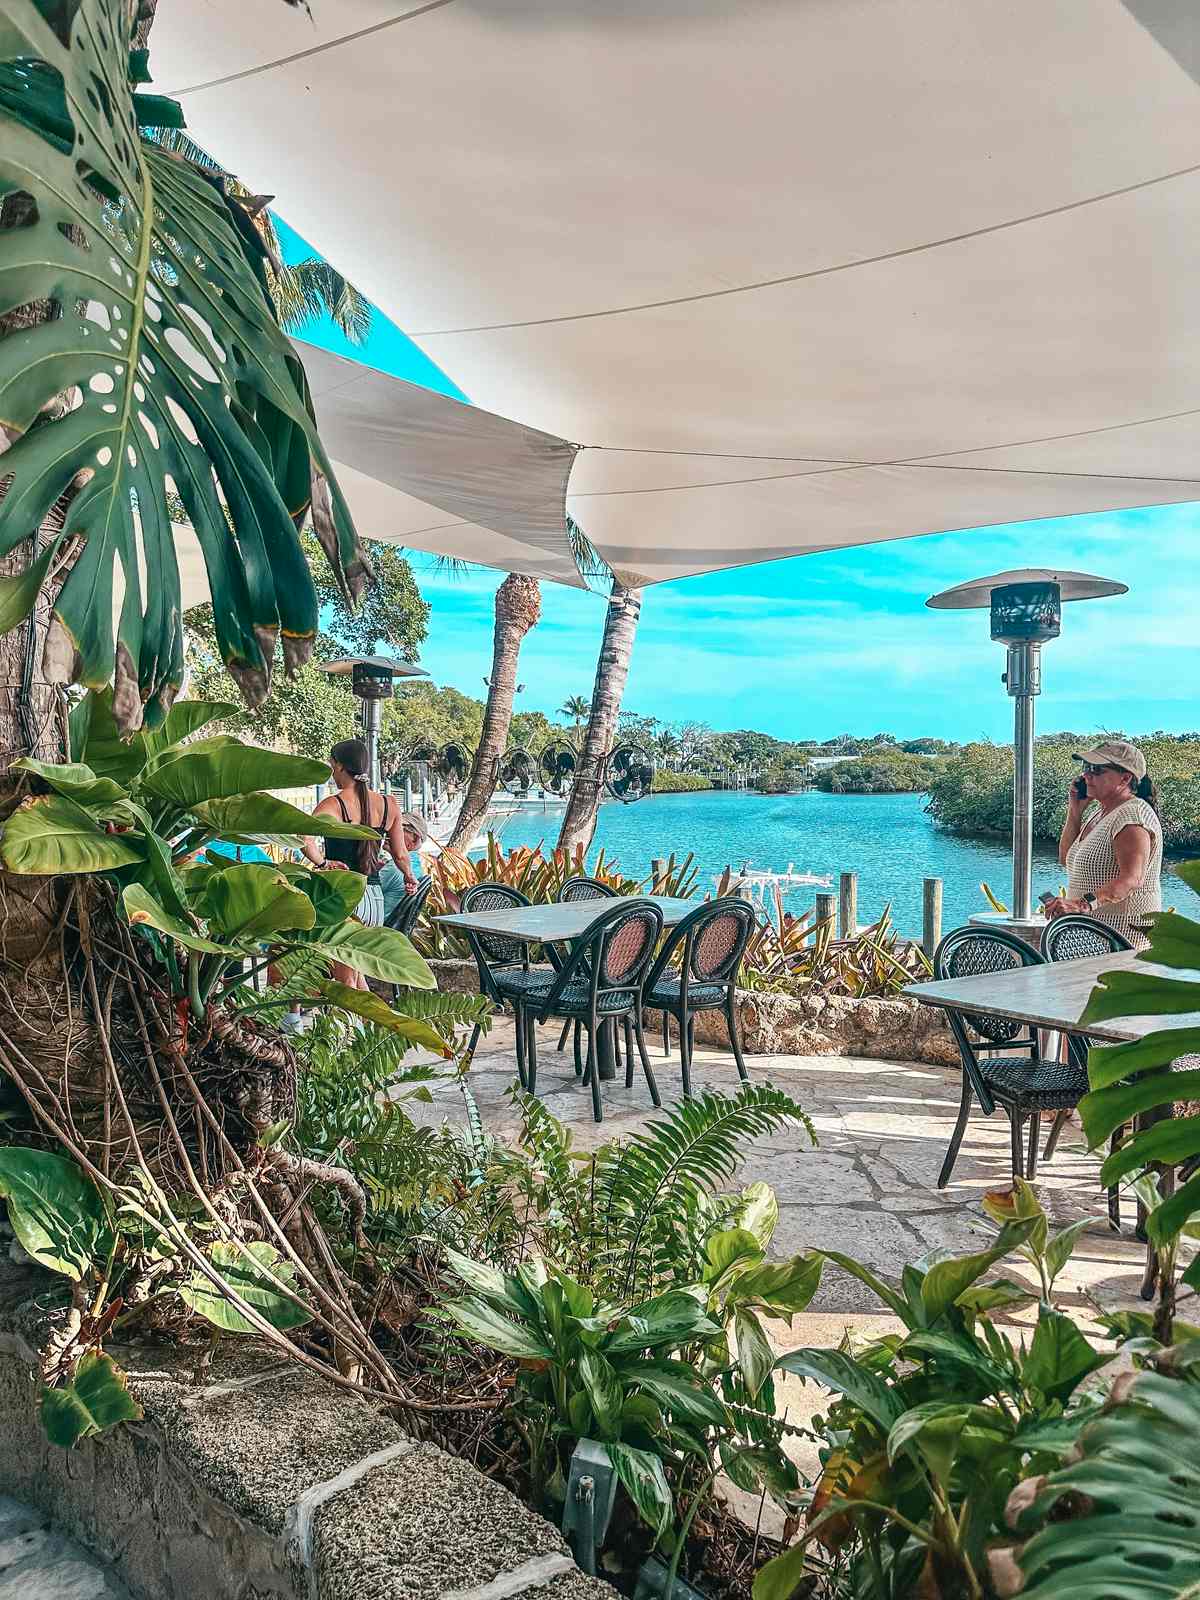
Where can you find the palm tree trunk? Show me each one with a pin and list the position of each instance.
(612, 669)
(518, 607)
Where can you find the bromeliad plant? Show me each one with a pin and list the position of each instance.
(150, 372)
(932, 1429)
(539, 878)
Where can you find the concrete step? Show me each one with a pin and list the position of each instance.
(36, 1563)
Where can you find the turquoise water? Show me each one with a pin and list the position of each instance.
(887, 839)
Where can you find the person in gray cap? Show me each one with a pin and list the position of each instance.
(1111, 842)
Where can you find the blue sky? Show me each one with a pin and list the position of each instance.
(842, 642)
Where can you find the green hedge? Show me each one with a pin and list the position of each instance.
(678, 782)
(893, 772)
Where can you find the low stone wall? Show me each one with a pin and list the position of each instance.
(266, 1482)
(888, 1030)
(779, 1025)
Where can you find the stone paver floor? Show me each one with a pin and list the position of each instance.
(38, 1563)
(868, 1189)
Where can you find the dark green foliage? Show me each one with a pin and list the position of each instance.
(160, 372)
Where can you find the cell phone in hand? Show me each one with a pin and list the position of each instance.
(1045, 898)
(1080, 788)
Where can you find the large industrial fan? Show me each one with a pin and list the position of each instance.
(518, 771)
(557, 765)
(629, 773)
(453, 764)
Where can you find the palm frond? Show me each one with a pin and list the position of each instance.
(593, 568)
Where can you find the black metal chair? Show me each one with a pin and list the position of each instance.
(1022, 1088)
(404, 914)
(497, 957)
(600, 984)
(709, 942)
(1077, 938)
(580, 887)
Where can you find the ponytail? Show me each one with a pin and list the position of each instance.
(1146, 791)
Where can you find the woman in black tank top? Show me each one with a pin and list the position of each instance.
(356, 801)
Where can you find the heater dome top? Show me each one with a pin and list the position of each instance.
(398, 669)
(977, 594)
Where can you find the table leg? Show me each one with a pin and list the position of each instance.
(606, 1054)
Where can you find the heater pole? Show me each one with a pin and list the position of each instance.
(1024, 675)
(371, 719)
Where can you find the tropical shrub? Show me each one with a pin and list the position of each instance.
(666, 782)
(1120, 1517)
(798, 956)
(1138, 1082)
(191, 1090)
(634, 1304)
(931, 1430)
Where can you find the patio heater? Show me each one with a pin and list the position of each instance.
(372, 680)
(1026, 612)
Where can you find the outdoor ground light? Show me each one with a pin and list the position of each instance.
(1026, 611)
(372, 680)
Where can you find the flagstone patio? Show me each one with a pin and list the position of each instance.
(868, 1187)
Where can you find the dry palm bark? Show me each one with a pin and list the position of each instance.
(612, 669)
(518, 607)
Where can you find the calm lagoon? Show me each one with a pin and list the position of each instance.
(889, 840)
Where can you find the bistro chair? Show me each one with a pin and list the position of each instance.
(1076, 938)
(497, 957)
(599, 985)
(580, 887)
(404, 914)
(1023, 1088)
(709, 943)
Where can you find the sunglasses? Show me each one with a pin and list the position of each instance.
(1089, 771)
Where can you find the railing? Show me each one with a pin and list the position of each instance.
(840, 908)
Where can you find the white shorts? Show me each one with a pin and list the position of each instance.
(369, 910)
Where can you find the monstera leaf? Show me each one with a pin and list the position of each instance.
(178, 386)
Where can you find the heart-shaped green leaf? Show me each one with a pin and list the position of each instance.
(186, 387)
(48, 834)
(54, 1209)
(96, 1399)
(244, 1269)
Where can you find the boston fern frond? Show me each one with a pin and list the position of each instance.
(650, 1184)
(159, 373)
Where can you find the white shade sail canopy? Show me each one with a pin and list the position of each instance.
(796, 274)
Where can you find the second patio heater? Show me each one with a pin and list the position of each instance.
(371, 681)
(1026, 611)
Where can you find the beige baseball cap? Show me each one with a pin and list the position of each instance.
(1115, 753)
(418, 825)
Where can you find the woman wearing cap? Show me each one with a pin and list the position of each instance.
(1111, 842)
(356, 801)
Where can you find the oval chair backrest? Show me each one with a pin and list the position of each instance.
(975, 952)
(495, 897)
(719, 933)
(627, 937)
(1075, 938)
(585, 889)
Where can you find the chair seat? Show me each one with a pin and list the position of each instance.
(1045, 1085)
(576, 999)
(666, 993)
